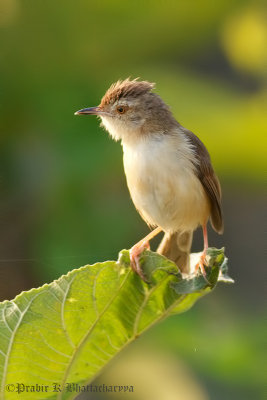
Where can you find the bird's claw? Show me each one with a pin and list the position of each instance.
(201, 265)
(135, 253)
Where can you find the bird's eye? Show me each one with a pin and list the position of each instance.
(121, 109)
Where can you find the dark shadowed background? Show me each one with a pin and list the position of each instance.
(64, 201)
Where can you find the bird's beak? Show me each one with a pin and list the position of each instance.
(89, 111)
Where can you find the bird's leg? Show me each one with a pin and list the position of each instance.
(138, 248)
(202, 260)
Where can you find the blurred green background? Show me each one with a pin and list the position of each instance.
(64, 201)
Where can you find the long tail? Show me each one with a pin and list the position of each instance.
(176, 247)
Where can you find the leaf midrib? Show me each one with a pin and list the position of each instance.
(139, 314)
(161, 317)
(83, 340)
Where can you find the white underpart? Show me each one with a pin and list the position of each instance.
(118, 129)
(161, 178)
(163, 183)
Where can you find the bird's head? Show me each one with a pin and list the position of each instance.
(129, 109)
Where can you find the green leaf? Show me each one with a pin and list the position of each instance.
(67, 331)
(217, 265)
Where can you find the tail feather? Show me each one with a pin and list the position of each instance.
(176, 247)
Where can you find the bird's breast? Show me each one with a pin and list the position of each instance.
(163, 183)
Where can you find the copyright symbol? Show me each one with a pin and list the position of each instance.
(10, 387)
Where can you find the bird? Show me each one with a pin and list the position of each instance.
(168, 171)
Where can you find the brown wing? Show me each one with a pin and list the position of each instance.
(208, 179)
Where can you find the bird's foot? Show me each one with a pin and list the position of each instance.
(135, 253)
(201, 265)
